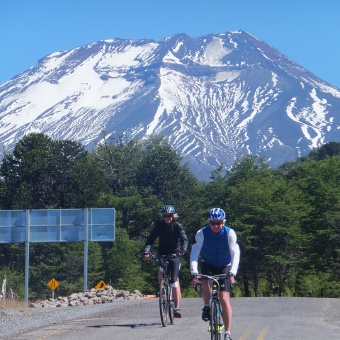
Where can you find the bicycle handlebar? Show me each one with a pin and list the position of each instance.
(214, 278)
(163, 260)
(165, 257)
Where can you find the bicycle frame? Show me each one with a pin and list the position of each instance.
(216, 324)
(166, 301)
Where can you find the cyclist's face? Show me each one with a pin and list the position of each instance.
(216, 226)
(168, 218)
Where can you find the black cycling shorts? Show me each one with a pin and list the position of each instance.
(207, 269)
(175, 267)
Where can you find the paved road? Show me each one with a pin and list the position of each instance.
(254, 318)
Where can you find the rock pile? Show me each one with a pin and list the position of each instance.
(94, 296)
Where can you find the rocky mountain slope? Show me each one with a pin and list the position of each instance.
(215, 97)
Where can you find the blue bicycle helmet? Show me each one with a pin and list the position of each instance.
(217, 214)
(168, 209)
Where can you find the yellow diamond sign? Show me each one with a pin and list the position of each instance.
(100, 284)
(53, 284)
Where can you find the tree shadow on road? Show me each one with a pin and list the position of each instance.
(130, 325)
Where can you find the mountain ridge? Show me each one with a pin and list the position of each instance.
(214, 97)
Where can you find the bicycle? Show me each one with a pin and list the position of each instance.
(216, 324)
(166, 301)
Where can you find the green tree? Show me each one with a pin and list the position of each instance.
(319, 186)
(42, 173)
(134, 212)
(26, 173)
(327, 150)
(119, 158)
(161, 172)
(123, 269)
(262, 212)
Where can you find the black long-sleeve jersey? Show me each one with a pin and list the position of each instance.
(172, 237)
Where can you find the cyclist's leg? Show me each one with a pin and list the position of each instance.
(206, 291)
(175, 265)
(225, 300)
(160, 275)
(226, 309)
(176, 293)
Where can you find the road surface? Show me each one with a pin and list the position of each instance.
(253, 318)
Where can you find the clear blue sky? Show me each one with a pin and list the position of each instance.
(307, 31)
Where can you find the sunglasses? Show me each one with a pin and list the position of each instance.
(168, 216)
(215, 223)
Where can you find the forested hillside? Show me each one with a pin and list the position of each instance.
(287, 219)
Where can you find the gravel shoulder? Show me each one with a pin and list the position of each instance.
(16, 321)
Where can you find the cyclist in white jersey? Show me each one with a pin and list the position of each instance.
(220, 252)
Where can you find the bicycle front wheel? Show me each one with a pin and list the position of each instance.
(163, 302)
(215, 333)
(171, 306)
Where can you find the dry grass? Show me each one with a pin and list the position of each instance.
(12, 304)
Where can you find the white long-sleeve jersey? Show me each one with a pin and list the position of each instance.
(233, 246)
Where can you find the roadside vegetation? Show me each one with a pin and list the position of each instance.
(287, 219)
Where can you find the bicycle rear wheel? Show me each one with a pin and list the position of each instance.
(163, 302)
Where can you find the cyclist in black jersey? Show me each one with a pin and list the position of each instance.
(172, 239)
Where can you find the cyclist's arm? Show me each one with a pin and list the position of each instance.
(234, 250)
(195, 251)
(183, 239)
(151, 239)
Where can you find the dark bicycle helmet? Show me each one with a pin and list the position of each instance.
(168, 209)
(217, 214)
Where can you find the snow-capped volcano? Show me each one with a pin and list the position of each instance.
(215, 97)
